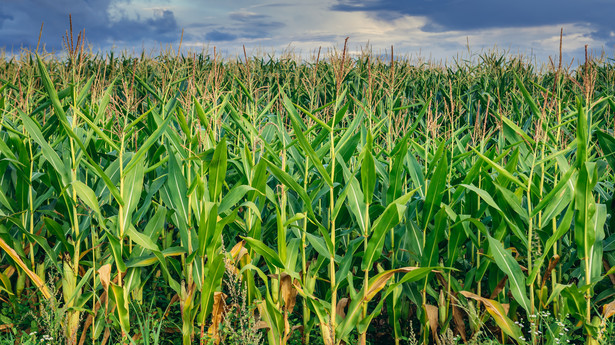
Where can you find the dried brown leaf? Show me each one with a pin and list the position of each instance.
(432, 317)
(341, 305)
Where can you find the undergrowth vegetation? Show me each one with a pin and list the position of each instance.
(187, 199)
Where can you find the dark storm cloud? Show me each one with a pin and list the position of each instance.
(248, 25)
(3, 17)
(255, 25)
(444, 15)
(20, 21)
(217, 36)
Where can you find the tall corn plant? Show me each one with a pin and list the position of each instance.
(68, 170)
(343, 183)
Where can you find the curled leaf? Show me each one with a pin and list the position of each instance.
(216, 316)
(289, 292)
(341, 305)
(608, 310)
(498, 312)
(432, 316)
(33, 276)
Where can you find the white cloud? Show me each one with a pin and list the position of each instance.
(310, 25)
(297, 25)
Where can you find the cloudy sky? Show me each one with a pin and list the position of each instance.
(437, 29)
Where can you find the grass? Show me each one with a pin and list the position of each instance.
(192, 199)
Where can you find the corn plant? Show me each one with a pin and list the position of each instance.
(340, 191)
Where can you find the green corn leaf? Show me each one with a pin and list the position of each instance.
(355, 197)
(61, 116)
(457, 236)
(431, 252)
(595, 261)
(217, 171)
(313, 117)
(48, 151)
(607, 144)
(176, 186)
(307, 148)
(116, 251)
(147, 87)
(86, 194)
(527, 96)
(391, 216)
(319, 244)
(435, 192)
(562, 229)
(147, 144)
(98, 131)
(584, 232)
(207, 226)
(104, 102)
(213, 282)
(122, 307)
(271, 257)
(133, 186)
(141, 239)
(289, 181)
(368, 171)
(548, 199)
(234, 196)
(500, 169)
(396, 179)
(517, 129)
(509, 265)
(582, 136)
(150, 259)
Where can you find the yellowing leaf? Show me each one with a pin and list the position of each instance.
(497, 311)
(33, 276)
(608, 310)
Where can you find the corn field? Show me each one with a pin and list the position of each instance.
(340, 200)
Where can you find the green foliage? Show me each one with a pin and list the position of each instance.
(340, 193)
